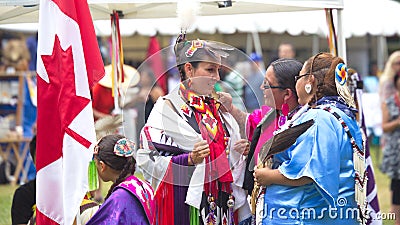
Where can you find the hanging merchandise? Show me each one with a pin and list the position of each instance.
(117, 61)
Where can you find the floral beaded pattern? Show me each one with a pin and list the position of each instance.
(124, 148)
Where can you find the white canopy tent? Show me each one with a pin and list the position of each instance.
(360, 17)
(26, 11)
(20, 11)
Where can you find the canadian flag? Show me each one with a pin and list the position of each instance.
(68, 64)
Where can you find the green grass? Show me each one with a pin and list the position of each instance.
(6, 192)
(382, 182)
(6, 195)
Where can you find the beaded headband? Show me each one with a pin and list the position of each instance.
(200, 50)
(124, 148)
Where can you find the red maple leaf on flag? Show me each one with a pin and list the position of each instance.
(59, 104)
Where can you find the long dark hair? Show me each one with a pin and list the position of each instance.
(126, 165)
(285, 70)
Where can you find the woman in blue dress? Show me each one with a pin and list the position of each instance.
(315, 180)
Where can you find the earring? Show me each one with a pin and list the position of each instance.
(308, 88)
(283, 115)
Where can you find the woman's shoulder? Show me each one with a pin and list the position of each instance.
(159, 106)
(324, 117)
(120, 192)
(121, 196)
(334, 116)
(315, 113)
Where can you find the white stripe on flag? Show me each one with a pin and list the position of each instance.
(76, 159)
(49, 182)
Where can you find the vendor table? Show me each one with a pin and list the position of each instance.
(8, 145)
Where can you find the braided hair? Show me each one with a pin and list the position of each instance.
(125, 165)
(322, 66)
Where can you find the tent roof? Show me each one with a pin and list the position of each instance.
(142, 16)
(26, 11)
(360, 17)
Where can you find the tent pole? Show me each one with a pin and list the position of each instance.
(382, 52)
(258, 49)
(315, 44)
(340, 36)
(249, 44)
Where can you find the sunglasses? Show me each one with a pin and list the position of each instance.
(296, 78)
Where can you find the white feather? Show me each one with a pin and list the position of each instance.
(187, 11)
